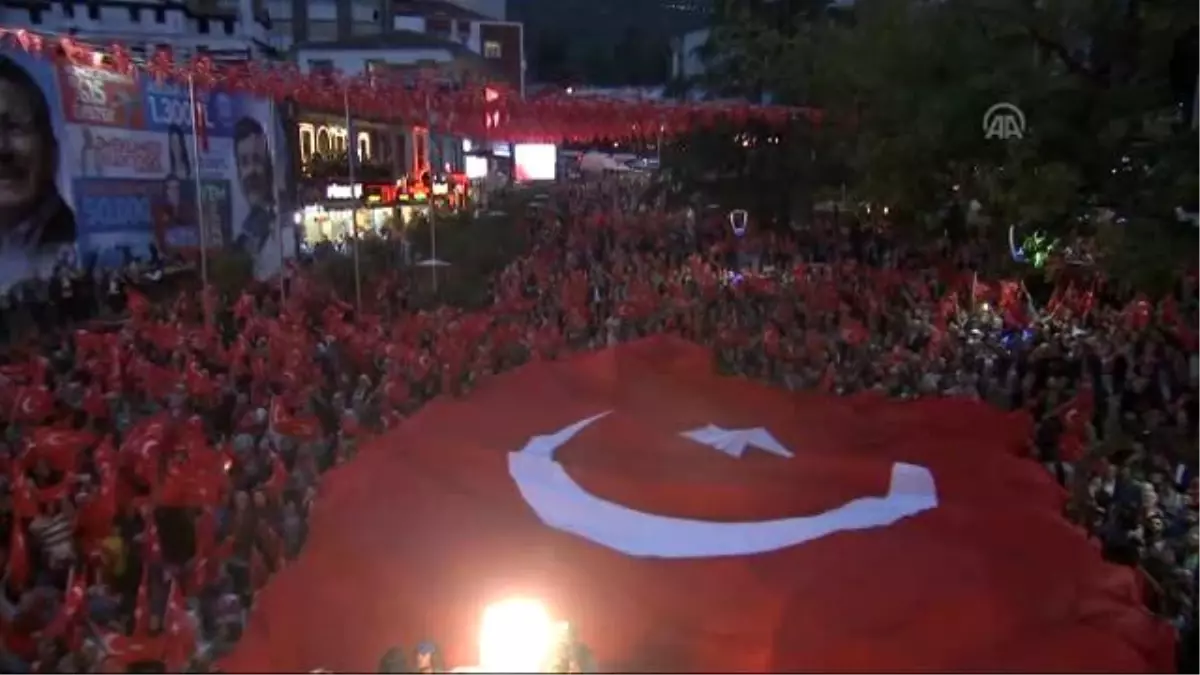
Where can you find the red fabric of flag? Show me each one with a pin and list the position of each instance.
(704, 524)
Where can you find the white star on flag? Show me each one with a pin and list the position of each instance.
(733, 442)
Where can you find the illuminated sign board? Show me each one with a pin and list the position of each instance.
(336, 191)
(371, 193)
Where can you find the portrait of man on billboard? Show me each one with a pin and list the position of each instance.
(36, 224)
(256, 177)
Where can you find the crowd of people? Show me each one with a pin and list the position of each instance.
(159, 470)
(76, 291)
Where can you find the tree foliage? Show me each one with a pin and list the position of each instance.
(904, 85)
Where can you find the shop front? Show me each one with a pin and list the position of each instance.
(345, 209)
(445, 191)
(333, 211)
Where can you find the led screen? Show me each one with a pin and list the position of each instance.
(477, 167)
(535, 161)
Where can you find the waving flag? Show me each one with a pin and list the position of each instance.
(682, 522)
(283, 423)
(32, 405)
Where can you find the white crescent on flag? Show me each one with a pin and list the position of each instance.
(563, 504)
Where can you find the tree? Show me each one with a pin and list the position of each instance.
(904, 85)
(777, 174)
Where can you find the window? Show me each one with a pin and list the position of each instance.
(438, 28)
(365, 28)
(69, 9)
(384, 147)
(203, 27)
(94, 12)
(228, 23)
(135, 14)
(320, 30)
(160, 15)
(491, 49)
(307, 142)
(364, 146)
(464, 31)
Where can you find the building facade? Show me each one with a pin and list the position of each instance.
(225, 30)
(455, 39)
(354, 36)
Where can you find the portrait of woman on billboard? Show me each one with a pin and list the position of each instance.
(36, 224)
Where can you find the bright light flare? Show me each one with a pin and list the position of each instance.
(517, 636)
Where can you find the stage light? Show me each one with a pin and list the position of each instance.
(517, 636)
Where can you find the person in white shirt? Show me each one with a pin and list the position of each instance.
(53, 529)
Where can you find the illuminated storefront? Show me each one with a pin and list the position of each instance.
(333, 210)
(371, 207)
(445, 191)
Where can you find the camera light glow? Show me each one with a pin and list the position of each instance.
(517, 636)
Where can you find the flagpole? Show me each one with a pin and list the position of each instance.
(271, 142)
(433, 241)
(1196, 103)
(658, 146)
(432, 202)
(352, 159)
(197, 123)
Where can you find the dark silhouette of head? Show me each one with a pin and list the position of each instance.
(428, 659)
(256, 173)
(394, 660)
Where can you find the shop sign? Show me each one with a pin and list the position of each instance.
(337, 191)
(382, 193)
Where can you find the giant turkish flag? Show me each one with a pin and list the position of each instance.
(676, 533)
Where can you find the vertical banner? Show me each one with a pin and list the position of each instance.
(110, 168)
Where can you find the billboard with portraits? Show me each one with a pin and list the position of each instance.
(96, 166)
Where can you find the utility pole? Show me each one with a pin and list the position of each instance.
(1195, 105)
